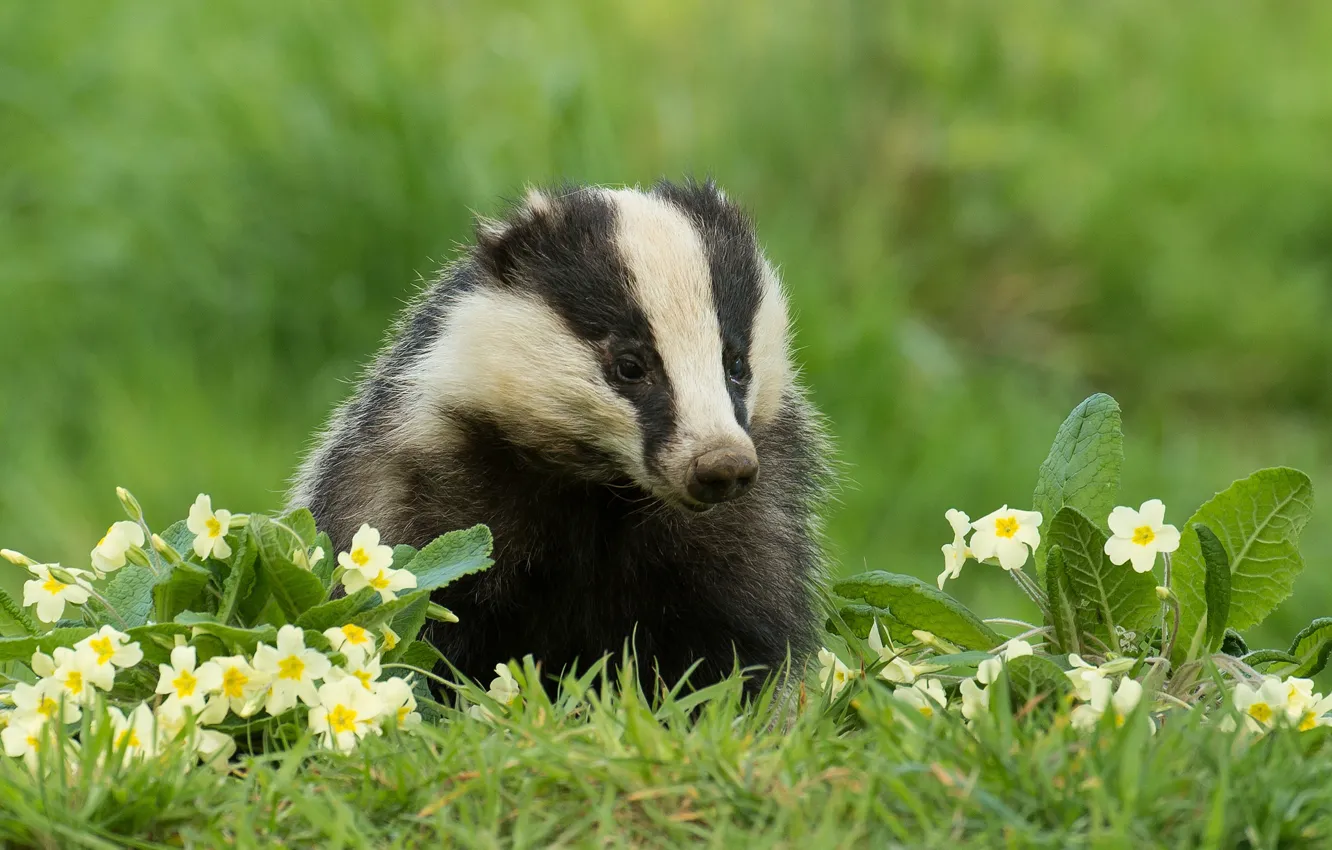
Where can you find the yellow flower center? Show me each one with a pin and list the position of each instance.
(1119, 720)
(52, 586)
(104, 649)
(402, 715)
(1260, 711)
(33, 742)
(1006, 526)
(380, 581)
(364, 677)
(74, 682)
(184, 683)
(355, 634)
(359, 557)
(342, 719)
(390, 638)
(47, 707)
(102, 542)
(1143, 534)
(234, 682)
(927, 710)
(292, 668)
(1308, 721)
(214, 527)
(128, 735)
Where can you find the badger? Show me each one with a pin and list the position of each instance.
(605, 380)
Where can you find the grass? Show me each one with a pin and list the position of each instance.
(595, 767)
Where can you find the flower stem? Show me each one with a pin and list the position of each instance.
(1030, 588)
(107, 605)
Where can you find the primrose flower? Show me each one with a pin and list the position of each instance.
(24, 737)
(898, 670)
(1139, 535)
(1120, 703)
(242, 689)
(109, 553)
(1007, 534)
(990, 668)
(352, 641)
(1274, 701)
(209, 528)
(293, 668)
(955, 553)
(925, 696)
(833, 675)
(367, 556)
(135, 733)
(110, 649)
(364, 669)
(975, 700)
(1081, 674)
(345, 713)
(387, 582)
(185, 683)
(73, 673)
(50, 594)
(398, 701)
(44, 699)
(390, 637)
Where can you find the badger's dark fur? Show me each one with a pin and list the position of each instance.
(504, 398)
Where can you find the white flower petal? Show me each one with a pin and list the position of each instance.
(1123, 521)
(1152, 513)
(1167, 539)
(1120, 549)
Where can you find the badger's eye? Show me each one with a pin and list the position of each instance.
(629, 370)
(736, 369)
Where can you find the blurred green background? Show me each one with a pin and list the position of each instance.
(209, 213)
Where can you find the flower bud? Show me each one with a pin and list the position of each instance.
(166, 550)
(1163, 593)
(136, 555)
(439, 612)
(130, 504)
(60, 574)
(18, 559)
(1117, 665)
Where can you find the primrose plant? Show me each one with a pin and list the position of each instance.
(1139, 617)
(224, 632)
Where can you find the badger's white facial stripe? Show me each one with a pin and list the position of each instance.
(672, 282)
(510, 356)
(770, 362)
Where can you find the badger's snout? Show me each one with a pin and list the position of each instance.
(721, 475)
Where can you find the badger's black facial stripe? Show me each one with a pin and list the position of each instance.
(733, 261)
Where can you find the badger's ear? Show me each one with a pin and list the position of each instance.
(499, 241)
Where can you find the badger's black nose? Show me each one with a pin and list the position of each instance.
(722, 474)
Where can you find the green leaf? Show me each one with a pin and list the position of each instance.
(241, 578)
(157, 640)
(420, 654)
(859, 617)
(920, 606)
(1312, 647)
(1104, 595)
(1063, 611)
(302, 522)
(130, 593)
(1082, 469)
(407, 625)
(237, 640)
(21, 648)
(337, 612)
(295, 588)
(388, 611)
(1233, 644)
(324, 569)
(1258, 520)
(1034, 680)
(1216, 585)
(1270, 656)
(180, 537)
(180, 589)
(402, 556)
(14, 621)
(452, 556)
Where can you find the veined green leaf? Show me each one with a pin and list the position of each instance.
(420, 654)
(1312, 646)
(14, 621)
(180, 589)
(1258, 520)
(1104, 595)
(302, 522)
(388, 611)
(157, 640)
(337, 612)
(130, 593)
(180, 538)
(1035, 680)
(1083, 467)
(237, 640)
(240, 580)
(860, 617)
(1263, 657)
(407, 624)
(295, 588)
(921, 606)
(1216, 585)
(22, 647)
(1063, 610)
(324, 569)
(452, 556)
(402, 556)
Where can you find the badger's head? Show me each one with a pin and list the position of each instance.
(621, 335)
